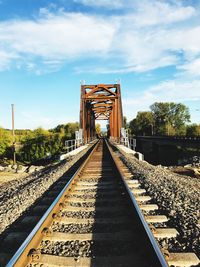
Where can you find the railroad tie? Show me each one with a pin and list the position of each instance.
(160, 233)
(138, 191)
(183, 259)
(142, 198)
(148, 207)
(156, 218)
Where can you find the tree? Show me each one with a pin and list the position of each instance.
(108, 130)
(20, 134)
(39, 144)
(66, 130)
(98, 129)
(193, 130)
(40, 132)
(5, 141)
(70, 129)
(125, 124)
(59, 129)
(143, 124)
(170, 118)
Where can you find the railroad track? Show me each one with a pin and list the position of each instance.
(17, 232)
(96, 220)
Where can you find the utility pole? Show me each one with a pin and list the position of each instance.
(152, 130)
(13, 133)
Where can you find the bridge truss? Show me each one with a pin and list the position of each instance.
(101, 102)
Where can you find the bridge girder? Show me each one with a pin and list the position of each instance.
(101, 102)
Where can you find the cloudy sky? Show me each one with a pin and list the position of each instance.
(48, 47)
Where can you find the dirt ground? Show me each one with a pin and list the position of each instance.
(192, 172)
(8, 176)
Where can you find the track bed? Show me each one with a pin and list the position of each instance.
(93, 222)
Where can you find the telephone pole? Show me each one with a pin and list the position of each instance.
(13, 133)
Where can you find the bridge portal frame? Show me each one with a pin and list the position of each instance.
(101, 102)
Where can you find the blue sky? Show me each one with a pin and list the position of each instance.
(48, 47)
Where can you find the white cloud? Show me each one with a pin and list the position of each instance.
(192, 68)
(57, 38)
(102, 3)
(149, 38)
(141, 65)
(62, 37)
(151, 13)
(145, 12)
(6, 59)
(168, 91)
(141, 50)
(145, 38)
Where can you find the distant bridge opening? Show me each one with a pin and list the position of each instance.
(103, 126)
(101, 102)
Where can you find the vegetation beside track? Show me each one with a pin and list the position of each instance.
(36, 146)
(164, 119)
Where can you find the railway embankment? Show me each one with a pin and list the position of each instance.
(177, 196)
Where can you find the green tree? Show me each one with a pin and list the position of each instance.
(5, 141)
(125, 124)
(59, 129)
(40, 132)
(108, 130)
(71, 127)
(170, 118)
(193, 130)
(143, 124)
(20, 134)
(66, 130)
(98, 128)
(41, 144)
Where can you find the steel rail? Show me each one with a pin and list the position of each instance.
(153, 241)
(21, 257)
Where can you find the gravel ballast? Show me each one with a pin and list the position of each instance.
(87, 248)
(177, 196)
(18, 195)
